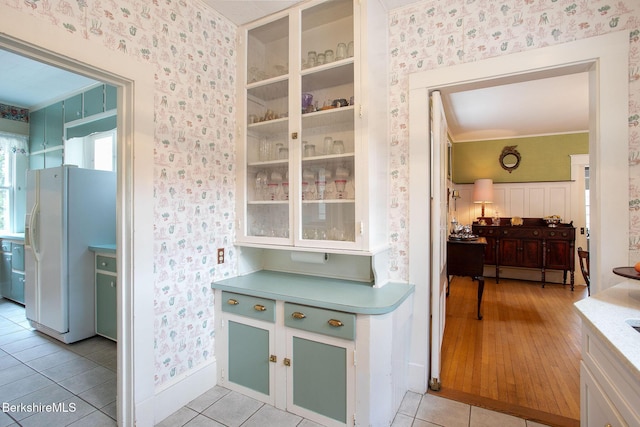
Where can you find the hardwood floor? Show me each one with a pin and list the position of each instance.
(523, 358)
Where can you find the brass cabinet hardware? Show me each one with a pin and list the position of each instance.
(286, 361)
(232, 301)
(259, 307)
(273, 358)
(335, 323)
(298, 315)
(294, 135)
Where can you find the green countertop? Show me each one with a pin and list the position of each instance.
(111, 249)
(12, 236)
(342, 295)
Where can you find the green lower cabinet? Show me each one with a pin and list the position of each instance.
(249, 357)
(106, 306)
(320, 378)
(17, 287)
(5, 275)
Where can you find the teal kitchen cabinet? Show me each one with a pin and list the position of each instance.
(46, 136)
(54, 121)
(73, 108)
(5, 270)
(304, 362)
(110, 97)
(16, 292)
(250, 362)
(36, 130)
(94, 101)
(320, 350)
(106, 296)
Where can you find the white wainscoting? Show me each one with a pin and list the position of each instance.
(526, 200)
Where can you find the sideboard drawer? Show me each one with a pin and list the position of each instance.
(320, 320)
(249, 306)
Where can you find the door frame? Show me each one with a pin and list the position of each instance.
(134, 233)
(606, 59)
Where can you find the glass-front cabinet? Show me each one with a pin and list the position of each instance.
(313, 129)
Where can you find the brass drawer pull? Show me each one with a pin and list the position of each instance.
(286, 361)
(273, 358)
(259, 307)
(232, 301)
(335, 323)
(298, 315)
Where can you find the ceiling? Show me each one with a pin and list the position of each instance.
(537, 107)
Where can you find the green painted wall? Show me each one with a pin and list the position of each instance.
(544, 158)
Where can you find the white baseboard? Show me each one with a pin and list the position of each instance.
(178, 393)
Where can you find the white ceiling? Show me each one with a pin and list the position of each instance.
(537, 107)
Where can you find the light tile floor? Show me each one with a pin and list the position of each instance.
(82, 377)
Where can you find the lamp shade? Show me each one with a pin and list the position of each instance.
(483, 190)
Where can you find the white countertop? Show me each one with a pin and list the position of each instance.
(607, 312)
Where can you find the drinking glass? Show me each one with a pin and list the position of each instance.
(327, 145)
(311, 58)
(309, 150)
(350, 50)
(320, 59)
(341, 51)
(283, 153)
(338, 147)
(328, 56)
(340, 185)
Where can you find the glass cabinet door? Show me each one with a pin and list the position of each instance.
(267, 124)
(328, 167)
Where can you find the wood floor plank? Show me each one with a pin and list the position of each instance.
(524, 356)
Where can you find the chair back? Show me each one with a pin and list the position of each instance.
(583, 257)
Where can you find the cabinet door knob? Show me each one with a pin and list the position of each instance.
(113, 284)
(286, 361)
(104, 264)
(232, 301)
(298, 315)
(259, 307)
(335, 323)
(273, 358)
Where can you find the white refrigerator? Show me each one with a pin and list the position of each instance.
(68, 210)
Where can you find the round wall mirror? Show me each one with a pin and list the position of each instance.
(509, 158)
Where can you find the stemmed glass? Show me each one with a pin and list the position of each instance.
(261, 184)
(342, 173)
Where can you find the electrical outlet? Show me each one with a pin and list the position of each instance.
(220, 255)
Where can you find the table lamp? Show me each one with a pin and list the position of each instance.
(483, 192)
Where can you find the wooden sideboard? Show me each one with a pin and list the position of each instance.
(531, 245)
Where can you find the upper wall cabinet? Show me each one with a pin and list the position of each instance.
(313, 128)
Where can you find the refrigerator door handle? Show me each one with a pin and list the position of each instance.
(33, 232)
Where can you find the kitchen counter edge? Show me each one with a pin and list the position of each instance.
(607, 311)
(110, 249)
(335, 294)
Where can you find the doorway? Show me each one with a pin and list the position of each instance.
(134, 84)
(605, 58)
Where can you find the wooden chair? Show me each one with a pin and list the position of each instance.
(583, 256)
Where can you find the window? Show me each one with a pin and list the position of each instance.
(11, 146)
(95, 151)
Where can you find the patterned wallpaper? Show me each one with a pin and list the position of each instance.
(10, 112)
(434, 34)
(193, 52)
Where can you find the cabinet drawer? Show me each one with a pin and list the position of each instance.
(106, 263)
(248, 306)
(320, 320)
